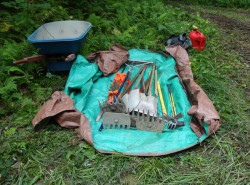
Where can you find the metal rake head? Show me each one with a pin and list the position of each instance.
(148, 123)
(172, 121)
(172, 124)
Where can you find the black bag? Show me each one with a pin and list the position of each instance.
(181, 40)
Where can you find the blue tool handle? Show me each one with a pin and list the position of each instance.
(101, 127)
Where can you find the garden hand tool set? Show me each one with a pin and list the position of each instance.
(137, 109)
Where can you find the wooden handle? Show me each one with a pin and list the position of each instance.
(156, 79)
(140, 77)
(150, 82)
(30, 59)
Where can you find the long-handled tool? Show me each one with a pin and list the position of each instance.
(172, 121)
(132, 82)
(171, 99)
(124, 81)
(175, 115)
(132, 99)
(147, 103)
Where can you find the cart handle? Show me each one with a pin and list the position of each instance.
(30, 59)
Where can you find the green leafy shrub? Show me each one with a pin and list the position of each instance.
(224, 3)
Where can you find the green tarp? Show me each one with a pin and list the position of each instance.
(86, 85)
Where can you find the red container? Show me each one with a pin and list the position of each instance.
(198, 39)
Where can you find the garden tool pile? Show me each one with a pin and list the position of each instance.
(137, 108)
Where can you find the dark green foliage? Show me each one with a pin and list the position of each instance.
(20, 19)
(223, 3)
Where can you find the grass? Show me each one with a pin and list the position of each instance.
(223, 11)
(56, 156)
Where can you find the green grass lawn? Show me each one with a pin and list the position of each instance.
(56, 155)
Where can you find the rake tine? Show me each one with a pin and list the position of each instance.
(148, 116)
(169, 126)
(138, 115)
(173, 126)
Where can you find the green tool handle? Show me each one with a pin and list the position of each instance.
(171, 99)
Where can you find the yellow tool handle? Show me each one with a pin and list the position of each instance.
(164, 110)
